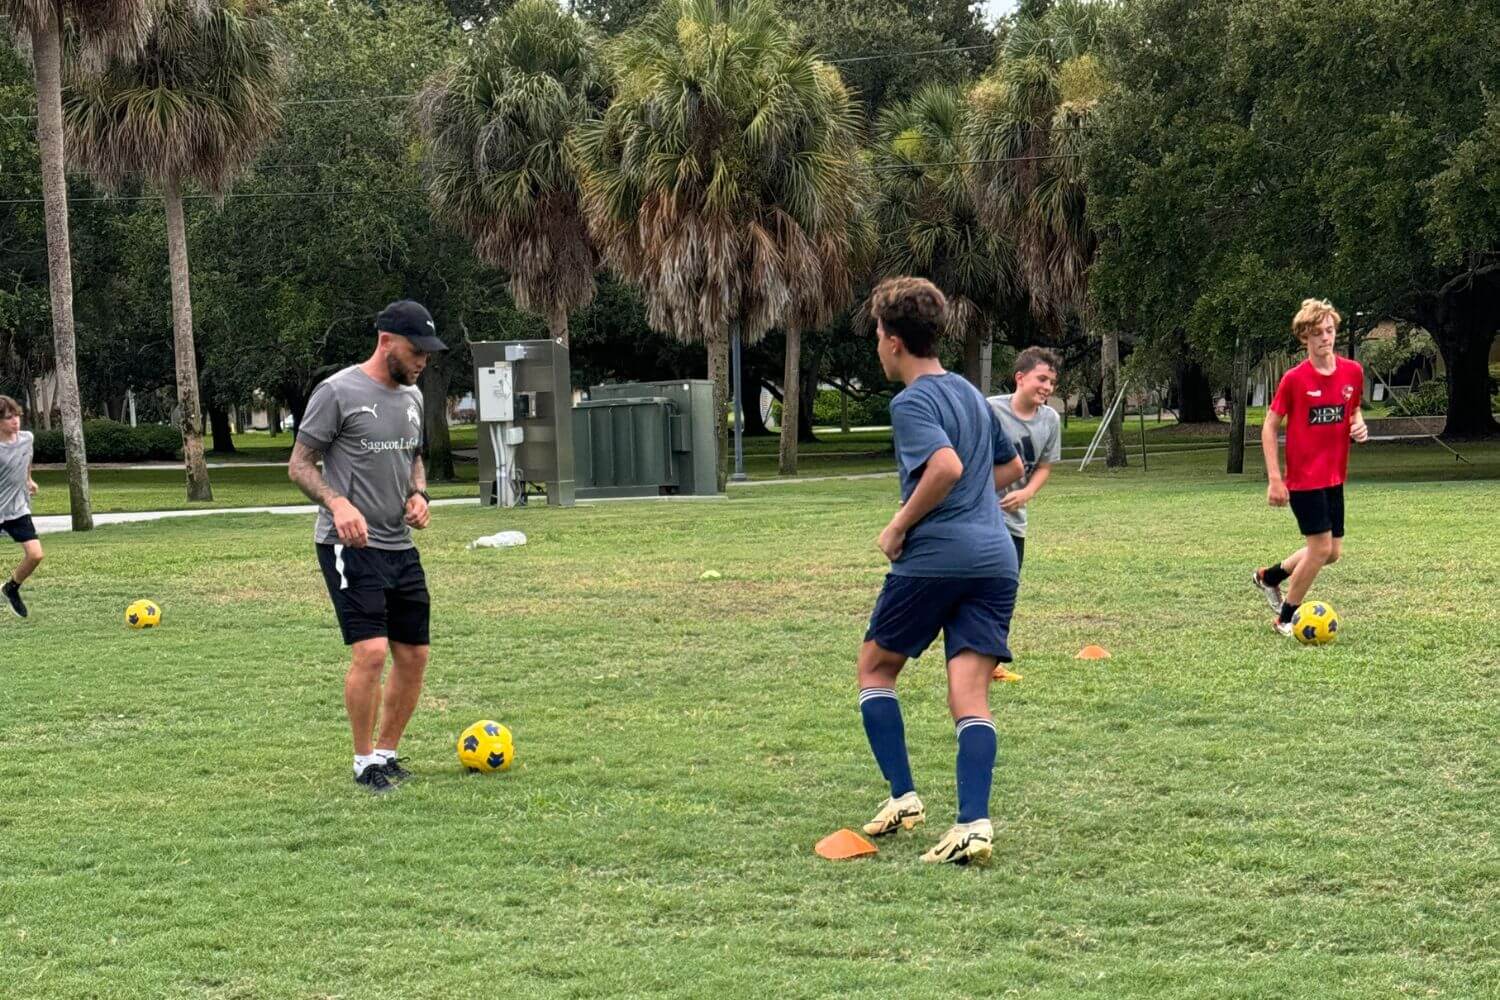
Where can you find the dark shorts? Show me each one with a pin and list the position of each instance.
(972, 613)
(377, 593)
(20, 528)
(1020, 542)
(1319, 510)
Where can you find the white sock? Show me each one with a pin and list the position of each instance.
(385, 755)
(361, 762)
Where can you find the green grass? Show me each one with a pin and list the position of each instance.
(1214, 812)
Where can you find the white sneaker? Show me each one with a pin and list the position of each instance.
(964, 843)
(1272, 594)
(1281, 627)
(897, 814)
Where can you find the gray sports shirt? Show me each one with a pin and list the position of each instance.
(369, 436)
(1038, 441)
(15, 462)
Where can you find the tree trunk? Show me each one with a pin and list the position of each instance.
(46, 53)
(972, 357)
(557, 326)
(812, 367)
(751, 381)
(239, 419)
(1109, 367)
(717, 345)
(198, 487)
(273, 417)
(437, 448)
(219, 427)
(843, 410)
(1239, 390)
(1195, 395)
(791, 403)
(1462, 320)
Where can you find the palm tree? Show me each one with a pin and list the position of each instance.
(723, 180)
(1027, 130)
(497, 125)
(100, 28)
(928, 222)
(195, 105)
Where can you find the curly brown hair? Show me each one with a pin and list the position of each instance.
(1033, 356)
(912, 309)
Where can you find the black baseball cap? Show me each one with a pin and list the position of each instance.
(410, 320)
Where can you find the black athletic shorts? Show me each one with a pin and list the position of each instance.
(20, 528)
(377, 593)
(1020, 543)
(1319, 510)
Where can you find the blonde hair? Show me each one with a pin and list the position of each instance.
(1312, 313)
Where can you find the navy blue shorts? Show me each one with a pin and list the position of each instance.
(22, 528)
(971, 612)
(377, 593)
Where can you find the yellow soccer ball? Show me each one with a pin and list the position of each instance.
(1315, 624)
(143, 614)
(486, 746)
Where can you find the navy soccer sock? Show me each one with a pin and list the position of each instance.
(887, 734)
(976, 767)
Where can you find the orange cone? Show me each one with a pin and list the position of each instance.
(1001, 674)
(1092, 652)
(844, 844)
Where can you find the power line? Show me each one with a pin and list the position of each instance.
(912, 52)
(235, 194)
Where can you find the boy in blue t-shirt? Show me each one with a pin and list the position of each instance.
(953, 567)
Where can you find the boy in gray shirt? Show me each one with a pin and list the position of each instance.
(1035, 429)
(16, 490)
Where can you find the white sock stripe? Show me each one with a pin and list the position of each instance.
(869, 694)
(968, 723)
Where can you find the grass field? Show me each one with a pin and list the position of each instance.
(1213, 812)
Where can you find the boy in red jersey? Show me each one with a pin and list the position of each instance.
(1319, 402)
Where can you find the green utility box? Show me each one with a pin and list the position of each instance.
(646, 439)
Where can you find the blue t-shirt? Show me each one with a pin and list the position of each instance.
(964, 535)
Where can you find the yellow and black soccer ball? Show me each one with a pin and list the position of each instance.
(1315, 623)
(143, 614)
(486, 746)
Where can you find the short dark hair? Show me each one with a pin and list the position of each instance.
(9, 408)
(912, 309)
(1033, 356)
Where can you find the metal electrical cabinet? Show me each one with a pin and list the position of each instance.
(646, 439)
(524, 399)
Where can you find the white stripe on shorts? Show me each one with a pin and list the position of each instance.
(338, 566)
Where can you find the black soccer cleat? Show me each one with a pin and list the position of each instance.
(373, 780)
(394, 771)
(12, 592)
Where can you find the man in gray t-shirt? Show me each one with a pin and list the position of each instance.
(1035, 429)
(365, 424)
(16, 489)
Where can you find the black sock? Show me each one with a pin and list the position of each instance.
(1273, 575)
(1287, 610)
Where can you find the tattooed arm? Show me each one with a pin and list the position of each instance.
(347, 520)
(417, 514)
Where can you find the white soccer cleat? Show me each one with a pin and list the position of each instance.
(1281, 627)
(964, 843)
(897, 814)
(1272, 594)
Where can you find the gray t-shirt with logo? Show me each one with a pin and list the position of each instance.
(1038, 441)
(15, 464)
(369, 436)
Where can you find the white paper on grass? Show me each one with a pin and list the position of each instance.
(499, 540)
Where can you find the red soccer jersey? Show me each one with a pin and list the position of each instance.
(1317, 409)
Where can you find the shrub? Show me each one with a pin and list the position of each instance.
(110, 441)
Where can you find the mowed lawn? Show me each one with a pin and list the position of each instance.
(1213, 812)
